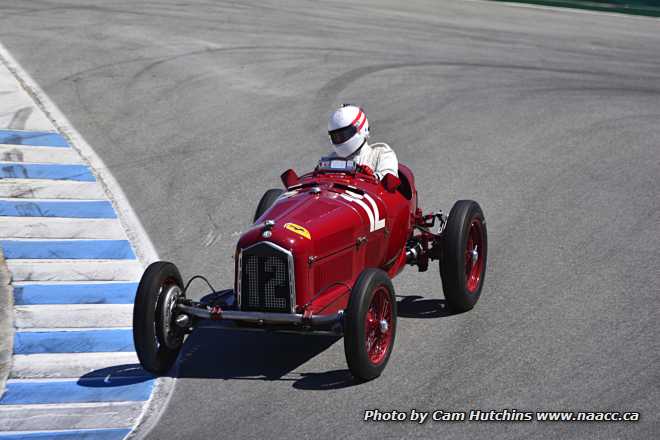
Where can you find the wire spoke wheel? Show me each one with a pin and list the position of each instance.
(464, 255)
(474, 261)
(378, 323)
(370, 324)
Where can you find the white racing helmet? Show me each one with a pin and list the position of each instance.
(348, 128)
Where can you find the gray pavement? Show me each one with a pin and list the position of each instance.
(548, 118)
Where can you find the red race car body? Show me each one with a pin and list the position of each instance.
(319, 258)
(332, 226)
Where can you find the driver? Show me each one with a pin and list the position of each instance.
(348, 128)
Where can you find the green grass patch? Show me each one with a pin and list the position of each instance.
(650, 8)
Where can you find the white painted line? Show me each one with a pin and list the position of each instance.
(54, 227)
(74, 316)
(66, 365)
(27, 154)
(136, 233)
(50, 189)
(75, 270)
(69, 416)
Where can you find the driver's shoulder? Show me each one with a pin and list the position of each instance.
(382, 149)
(382, 146)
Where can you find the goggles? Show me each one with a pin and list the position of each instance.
(343, 134)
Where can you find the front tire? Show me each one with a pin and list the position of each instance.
(464, 254)
(157, 338)
(267, 200)
(370, 324)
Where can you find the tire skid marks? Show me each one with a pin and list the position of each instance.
(20, 154)
(11, 170)
(50, 189)
(57, 208)
(34, 138)
(63, 228)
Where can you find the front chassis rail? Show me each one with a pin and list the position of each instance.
(295, 322)
(217, 314)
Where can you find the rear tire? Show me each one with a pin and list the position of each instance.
(464, 254)
(157, 339)
(367, 342)
(267, 200)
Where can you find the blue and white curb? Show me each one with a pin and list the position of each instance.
(75, 251)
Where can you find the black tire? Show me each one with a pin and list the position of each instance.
(355, 347)
(156, 353)
(267, 200)
(466, 222)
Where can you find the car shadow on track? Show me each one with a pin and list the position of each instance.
(236, 355)
(328, 380)
(415, 306)
(115, 376)
(216, 353)
(228, 354)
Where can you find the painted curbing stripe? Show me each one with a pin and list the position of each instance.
(73, 316)
(98, 293)
(66, 365)
(29, 154)
(74, 270)
(67, 249)
(141, 241)
(31, 167)
(54, 227)
(69, 416)
(37, 138)
(27, 392)
(50, 189)
(80, 173)
(67, 209)
(77, 434)
(82, 341)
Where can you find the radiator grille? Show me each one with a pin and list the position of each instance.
(266, 283)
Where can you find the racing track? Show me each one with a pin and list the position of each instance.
(548, 118)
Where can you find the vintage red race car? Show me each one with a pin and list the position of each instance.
(319, 257)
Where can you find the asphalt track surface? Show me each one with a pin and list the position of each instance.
(548, 119)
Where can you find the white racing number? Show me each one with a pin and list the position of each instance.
(275, 267)
(375, 222)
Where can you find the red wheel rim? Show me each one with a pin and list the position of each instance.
(378, 326)
(474, 256)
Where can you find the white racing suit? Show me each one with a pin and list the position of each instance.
(379, 157)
